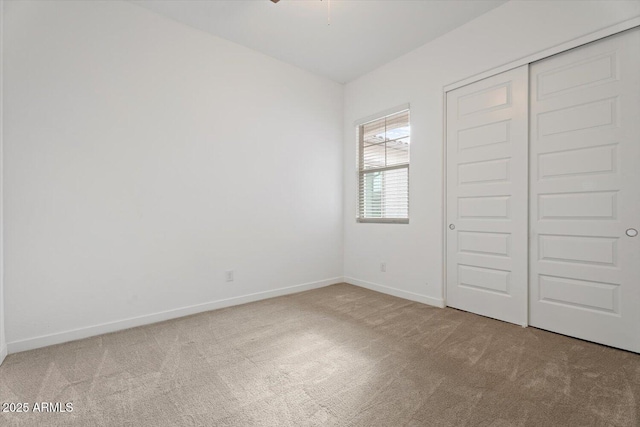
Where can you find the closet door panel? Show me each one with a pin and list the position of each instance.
(487, 197)
(585, 192)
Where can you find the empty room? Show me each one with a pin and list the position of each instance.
(320, 213)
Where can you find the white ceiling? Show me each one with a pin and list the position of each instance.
(363, 34)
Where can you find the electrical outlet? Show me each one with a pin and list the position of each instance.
(228, 275)
(383, 267)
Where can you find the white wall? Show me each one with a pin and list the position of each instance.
(144, 158)
(3, 341)
(413, 252)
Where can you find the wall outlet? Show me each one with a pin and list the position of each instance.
(383, 267)
(228, 275)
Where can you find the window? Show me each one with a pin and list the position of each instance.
(383, 169)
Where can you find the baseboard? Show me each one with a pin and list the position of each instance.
(3, 353)
(90, 331)
(437, 302)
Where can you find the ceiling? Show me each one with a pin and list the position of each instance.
(362, 35)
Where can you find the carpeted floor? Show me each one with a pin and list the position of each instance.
(336, 356)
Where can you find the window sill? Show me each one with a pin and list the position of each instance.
(383, 220)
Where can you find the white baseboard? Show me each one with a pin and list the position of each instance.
(90, 331)
(437, 302)
(3, 353)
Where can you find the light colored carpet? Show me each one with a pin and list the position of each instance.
(336, 356)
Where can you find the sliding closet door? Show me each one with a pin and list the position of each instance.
(585, 192)
(487, 197)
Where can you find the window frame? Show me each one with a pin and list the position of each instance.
(361, 172)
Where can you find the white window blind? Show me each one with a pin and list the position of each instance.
(383, 169)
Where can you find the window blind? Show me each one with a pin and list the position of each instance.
(383, 169)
